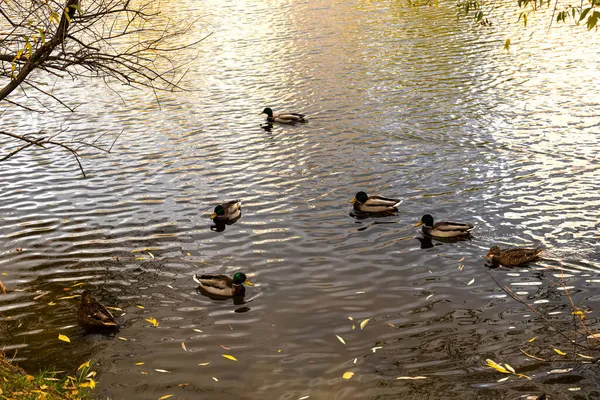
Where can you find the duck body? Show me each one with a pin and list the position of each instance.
(227, 212)
(283, 118)
(513, 257)
(374, 204)
(92, 315)
(445, 229)
(222, 286)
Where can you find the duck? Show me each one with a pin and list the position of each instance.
(223, 285)
(93, 315)
(374, 204)
(513, 257)
(283, 118)
(227, 212)
(444, 229)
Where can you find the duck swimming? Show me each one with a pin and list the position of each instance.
(223, 285)
(93, 315)
(227, 212)
(444, 229)
(283, 118)
(374, 204)
(512, 257)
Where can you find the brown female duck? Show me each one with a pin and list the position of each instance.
(93, 315)
(512, 257)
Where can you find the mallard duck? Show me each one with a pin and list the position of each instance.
(93, 315)
(283, 118)
(513, 257)
(223, 285)
(227, 212)
(374, 204)
(444, 229)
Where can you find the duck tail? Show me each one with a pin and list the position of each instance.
(196, 278)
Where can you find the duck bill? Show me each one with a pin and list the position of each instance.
(419, 223)
(213, 215)
(247, 282)
(353, 200)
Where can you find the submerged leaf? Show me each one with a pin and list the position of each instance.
(63, 338)
(348, 375)
(411, 377)
(562, 353)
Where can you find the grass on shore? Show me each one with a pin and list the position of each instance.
(17, 384)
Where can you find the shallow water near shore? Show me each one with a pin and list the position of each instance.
(405, 102)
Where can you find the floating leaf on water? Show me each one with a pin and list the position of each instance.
(203, 364)
(183, 384)
(376, 348)
(69, 297)
(461, 260)
(341, 339)
(85, 364)
(428, 297)
(122, 338)
(392, 325)
(52, 303)
(227, 356)
(351, 319)
(411, 377)
(508, 367)
(584, 356)
(348, 375)
(153, 321)
(183, 346)
(215, 379)
(226, 348)
(355, 360)
(594, 336)
(303, 397)
(503, 379)
(139, 363)
(471, 282)
(114, 308)
(461, 267)
(162, 370)
(363, 323)
(279, 351)
(562, 353)
(91, 384)
(532, 339)
(91, 374)
(151, 255)
(35, 298)
(170, 287)
(166, 396)
(577, 312)
(141, 307)
(63, 338)
(143, 373)
(360, 292)
(496, 366)
(78, 284)
(353, 327)
(198, 330)
(189, 255)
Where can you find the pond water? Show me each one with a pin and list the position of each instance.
(404, 101)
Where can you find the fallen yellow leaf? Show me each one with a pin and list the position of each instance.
(227, 356)
(166, 396)
(340, 339)
(348, 375)
(364, 322)
(153, 321)
(496, 366)
(203, 364)
(562, 353)
(139, 363)
(411, 377)
(85, 364)
(532, 339)
(123, 338)
(63, 338)
(141, 307)
(183, 346)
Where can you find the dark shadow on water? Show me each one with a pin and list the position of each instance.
(237, 300)
(268, 127)
(220, 226)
